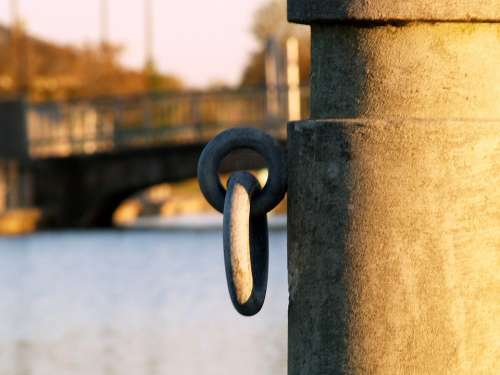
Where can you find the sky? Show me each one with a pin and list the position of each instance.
(201, 41)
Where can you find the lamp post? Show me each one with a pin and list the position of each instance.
(14, 13)
(104, 10)
(293, 79)
(148, 44)
(148, 33)
(14, 40)
(20, 51)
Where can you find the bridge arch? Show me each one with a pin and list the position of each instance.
(85, 191)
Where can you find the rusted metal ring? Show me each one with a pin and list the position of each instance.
(246, 245)
(232, 139)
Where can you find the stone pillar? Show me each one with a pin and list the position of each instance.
(3, 186)
(394, 190)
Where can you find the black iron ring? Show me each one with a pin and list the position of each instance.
(246, 245)
(230, 140)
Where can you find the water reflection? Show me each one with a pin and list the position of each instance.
(133, 303)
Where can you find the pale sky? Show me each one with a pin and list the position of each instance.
(201, 41)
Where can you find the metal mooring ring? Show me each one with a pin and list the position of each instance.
(246, 245)
(232, 139)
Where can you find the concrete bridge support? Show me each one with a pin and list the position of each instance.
(84, 191)
(394, 199)
(14, 176)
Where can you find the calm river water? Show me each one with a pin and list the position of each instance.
(133, 302)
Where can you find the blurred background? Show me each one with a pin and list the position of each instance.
(110, 258)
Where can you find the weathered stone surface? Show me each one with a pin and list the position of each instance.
(394, 205)
(394, 239)
(423, 70)
(316, 11)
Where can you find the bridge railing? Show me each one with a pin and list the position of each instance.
(59, 129)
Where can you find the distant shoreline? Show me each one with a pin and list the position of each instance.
(195, 222)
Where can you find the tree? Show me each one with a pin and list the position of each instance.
(270, 21)
(55, 72)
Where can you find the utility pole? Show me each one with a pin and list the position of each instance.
(148, 44)
(273, 78)
(20, 50)
(148, 34)
(393, 190)
(293, 78)
(14, 41)
(104, 22)
(14, 13)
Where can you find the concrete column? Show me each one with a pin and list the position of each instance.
(3, 186)
(394, 190)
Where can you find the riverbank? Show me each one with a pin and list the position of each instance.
(19, 221)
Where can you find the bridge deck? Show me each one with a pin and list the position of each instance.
(94, 126)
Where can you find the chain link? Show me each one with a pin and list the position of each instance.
(244, 205)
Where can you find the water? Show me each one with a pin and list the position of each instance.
(139, 302)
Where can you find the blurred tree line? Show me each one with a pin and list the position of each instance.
(41, 70)
(270, 21)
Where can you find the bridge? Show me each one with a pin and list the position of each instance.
(78, 160)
